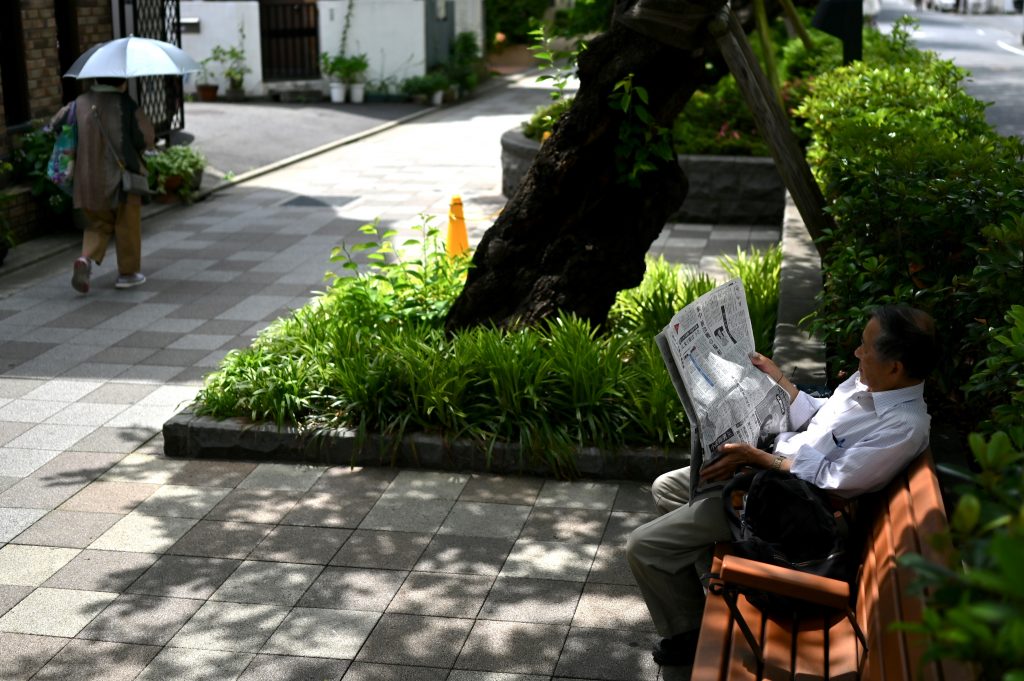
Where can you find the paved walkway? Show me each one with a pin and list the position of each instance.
(117, 563)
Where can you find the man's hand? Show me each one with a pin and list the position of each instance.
(735, 455)
(774, 372)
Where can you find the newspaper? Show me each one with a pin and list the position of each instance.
(707, 348)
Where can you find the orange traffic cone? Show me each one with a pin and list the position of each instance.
(458, 240)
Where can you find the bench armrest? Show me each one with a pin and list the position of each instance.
(752, 574)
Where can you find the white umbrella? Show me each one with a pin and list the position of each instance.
(132, 57)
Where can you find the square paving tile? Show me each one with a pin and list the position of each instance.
(541, 601)
(612, 606)
(387, 550)
(293, 544)
(329, 509)
(135, 618)
(143, 534)
(182, 501)
(86, 414)
(55, 612)
(97, 661)
(569, 525)
(31, 565)
(184, 576)
(22, 655)
(550, 560)
(345, 588)
(416, 640)
(371, 671)
(238, 627)
(221, 539)
(314, 632)
(38, 492)
(50, 436)
(501, 490)
(426, 485)
(196, 665)
(72, 529)
(11, 429)
(634, 498)
(407, 515)
(594, 495)
(514, 647)
(119, 393)
(621, 525)
(101, 571)
(351, 481)
(118, 440)
(610, 566)
(146, 468)
(268, 583)
(282, 476)
(255, 505)
(480, 519)
(289, 668)
(466, 675)
(212, 473)
(18, 463)
(440, 594)
(11, 595)
(109, 497)
(608, 654)
(465, 555)
(14, 521)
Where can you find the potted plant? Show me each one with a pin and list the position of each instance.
(437, 83)
(206, 86)
(235, 66)
(430, 86)
(353, 73)
(175, 173)
(332, 68)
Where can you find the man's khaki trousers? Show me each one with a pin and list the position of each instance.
(669, 555)
(125, 225)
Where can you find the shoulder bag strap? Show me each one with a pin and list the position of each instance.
(110, 145)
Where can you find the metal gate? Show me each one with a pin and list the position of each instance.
(440, 29)
(290, 39)
(161, 97)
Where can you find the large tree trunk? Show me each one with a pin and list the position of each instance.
(574, 234)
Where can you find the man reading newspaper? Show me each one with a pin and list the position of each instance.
(874, 424)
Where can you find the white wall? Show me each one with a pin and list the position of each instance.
(218, 25)
(469, 16)
(391, 33)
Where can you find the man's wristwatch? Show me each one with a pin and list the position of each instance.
(777, 462)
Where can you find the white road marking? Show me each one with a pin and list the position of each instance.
(1010, 48)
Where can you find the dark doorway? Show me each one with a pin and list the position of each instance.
(12, 65)
(290, 37)
(67, 45)
(440, 28)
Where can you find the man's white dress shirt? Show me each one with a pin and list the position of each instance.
(855, 441)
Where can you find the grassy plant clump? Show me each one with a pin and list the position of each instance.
(371, 354)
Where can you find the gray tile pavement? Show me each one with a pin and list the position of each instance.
(115, 558)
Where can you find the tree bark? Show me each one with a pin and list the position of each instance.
(574, 234)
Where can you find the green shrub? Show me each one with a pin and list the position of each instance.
(371, 354)
(514, 18)
(31, 155)
(913, 176)
(180, 162)
(544, 119)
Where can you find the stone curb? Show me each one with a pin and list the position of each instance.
(187, 435)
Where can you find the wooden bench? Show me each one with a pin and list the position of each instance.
(828, 647)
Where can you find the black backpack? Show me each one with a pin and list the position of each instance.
(789, 522)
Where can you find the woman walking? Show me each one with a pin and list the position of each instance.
(112, 130)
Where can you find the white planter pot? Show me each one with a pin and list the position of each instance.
(437, 98)
(356, 92)
(337, 93)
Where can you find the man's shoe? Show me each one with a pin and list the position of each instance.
(130, 280)
(677, 651)
(80, 273)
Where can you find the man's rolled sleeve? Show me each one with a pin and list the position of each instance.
(802, 409)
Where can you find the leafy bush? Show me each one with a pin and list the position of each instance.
(543, 121)
(915, 178)
(180, 162)
(513, 18)
(976, 613)
(31, 154)
(465, 65)
(371, 354)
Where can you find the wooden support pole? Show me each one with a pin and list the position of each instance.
(767, 48)
(797, 23)
(772, 122)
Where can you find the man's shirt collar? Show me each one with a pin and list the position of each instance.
(887, 399)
